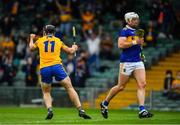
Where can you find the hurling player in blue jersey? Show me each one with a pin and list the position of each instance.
(130, 63)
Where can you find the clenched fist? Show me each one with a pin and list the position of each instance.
(32, 36)
(75, 47)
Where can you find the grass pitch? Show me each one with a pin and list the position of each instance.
(15, 115)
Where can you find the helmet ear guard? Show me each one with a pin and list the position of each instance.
(130, 15)
(44, 33)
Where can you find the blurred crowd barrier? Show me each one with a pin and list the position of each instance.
(90, 98)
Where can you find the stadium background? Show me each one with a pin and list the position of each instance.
(97, 23)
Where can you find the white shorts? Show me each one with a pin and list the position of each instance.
(127, 68)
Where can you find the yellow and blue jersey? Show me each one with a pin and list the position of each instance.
(49, 50)
(131, 54)
(50, 60)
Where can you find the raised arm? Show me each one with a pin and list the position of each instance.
(58, 4)
(81, 9)
(85, 35)
(100, 29)
(70, 50)
(32, 46)
(69, 3)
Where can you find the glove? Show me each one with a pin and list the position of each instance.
(143, 58)
(139, 33)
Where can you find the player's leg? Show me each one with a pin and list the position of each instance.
(74, 97)
(46, 90)
(71, 92)
(63, 78)
(140, 76)
(61, 75)
(122, 80)
(46, 80)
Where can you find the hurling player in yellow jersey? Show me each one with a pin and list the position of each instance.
(51, 66)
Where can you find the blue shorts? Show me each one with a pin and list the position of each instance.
(57, 71)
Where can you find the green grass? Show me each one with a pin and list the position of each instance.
(14, 115)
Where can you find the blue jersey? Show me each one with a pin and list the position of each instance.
(131, 54)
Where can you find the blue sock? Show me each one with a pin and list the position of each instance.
(105, 103)
(141, 107)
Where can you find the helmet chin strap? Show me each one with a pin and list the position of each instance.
(44, 33)
(133, 27)
(130, 25)
(48, 34)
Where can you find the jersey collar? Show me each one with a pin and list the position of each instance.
(49, 35)
(130, 27)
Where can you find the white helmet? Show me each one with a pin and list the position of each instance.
(128, 16)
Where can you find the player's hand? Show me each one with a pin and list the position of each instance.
(32, 36)
(140, 33)
(140, 41)
(143, 58)
(75, 47)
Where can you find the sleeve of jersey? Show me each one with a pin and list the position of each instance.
(122, 33)
(63, 45)
(36, 44)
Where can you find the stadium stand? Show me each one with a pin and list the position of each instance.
(160, 103)
(29, 18)
(155, 78)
